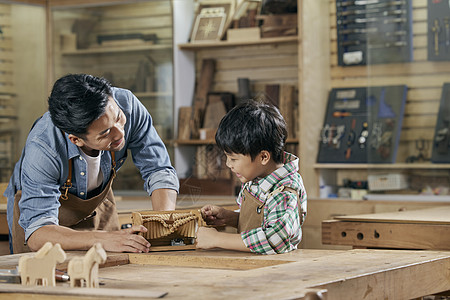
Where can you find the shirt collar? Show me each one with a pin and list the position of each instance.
(290, 166)
(72, 149)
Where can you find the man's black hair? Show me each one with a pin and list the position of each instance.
(77, 100)
(251, 127)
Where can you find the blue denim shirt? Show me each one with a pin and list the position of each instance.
(44, 167)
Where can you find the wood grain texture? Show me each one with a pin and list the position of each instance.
(353, 274)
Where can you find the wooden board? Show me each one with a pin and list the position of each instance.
(386, 235)
(353, 274)
(436, 215)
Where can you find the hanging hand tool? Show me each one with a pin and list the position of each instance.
(436, 29)
(370, 3)
(375, 12)
(372, 20)
(341, 114)
(350, 140)
(447, 33)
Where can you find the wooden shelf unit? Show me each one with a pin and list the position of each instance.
(383, 166)
(104, 50)
(212, 141)
(262, 41)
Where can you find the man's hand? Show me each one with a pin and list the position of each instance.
(125, 240)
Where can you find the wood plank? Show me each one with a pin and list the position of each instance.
(12, 289)
(204, 262)
(416, 81)
(345, 274)
(385, 235)
(419, 121)
(435, 215)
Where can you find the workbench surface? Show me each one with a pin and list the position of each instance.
(344, 274)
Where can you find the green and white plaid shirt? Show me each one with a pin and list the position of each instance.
(281, 231)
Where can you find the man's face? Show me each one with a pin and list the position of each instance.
(106, 133)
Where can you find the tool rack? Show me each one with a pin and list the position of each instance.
(373, 31)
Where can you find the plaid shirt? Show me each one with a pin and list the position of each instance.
(281, 231)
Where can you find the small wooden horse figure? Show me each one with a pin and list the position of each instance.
(83, 271)
(39, 269)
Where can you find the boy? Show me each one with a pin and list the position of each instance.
(253, 136)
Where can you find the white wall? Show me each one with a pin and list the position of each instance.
(184, 77)
(29, 45)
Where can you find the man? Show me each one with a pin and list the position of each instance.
(60, 190)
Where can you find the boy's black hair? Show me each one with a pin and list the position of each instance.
(251, 127)
(77, 100)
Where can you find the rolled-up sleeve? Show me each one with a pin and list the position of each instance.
(163, 179)
(147, 149)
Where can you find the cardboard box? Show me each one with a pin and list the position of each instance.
(244, 34)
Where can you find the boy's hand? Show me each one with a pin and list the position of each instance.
(214, 215)
(206, 238)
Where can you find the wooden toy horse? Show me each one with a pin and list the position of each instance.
(39, 269)
(83, 271)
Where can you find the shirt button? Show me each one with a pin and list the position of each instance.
(121, 161)
(82, 193)
(82, 173)
(81, 158)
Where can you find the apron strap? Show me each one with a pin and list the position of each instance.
(68, 183)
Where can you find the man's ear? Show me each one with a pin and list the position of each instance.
(76, 140)
(265, 157)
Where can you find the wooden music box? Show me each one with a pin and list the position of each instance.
(169, 230)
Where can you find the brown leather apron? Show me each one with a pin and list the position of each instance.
(251, 215)
(96, 213)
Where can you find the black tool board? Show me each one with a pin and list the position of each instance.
(362, 125)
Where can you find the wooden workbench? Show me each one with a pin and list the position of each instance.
(340, 274)
(416, 229)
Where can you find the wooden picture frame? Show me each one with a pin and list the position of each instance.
(209, 25)
(228, 5)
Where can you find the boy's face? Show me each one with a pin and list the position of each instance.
(244, 168)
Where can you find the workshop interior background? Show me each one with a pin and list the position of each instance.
(364, 87)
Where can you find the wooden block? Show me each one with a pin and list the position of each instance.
(201, 93)
(273, 94)
(244, 34)
(83, 271)
(68, 42)
(215, 111)
(184, 117)
(3, 186)
(287, 108)
(207, 133)
(39, 268)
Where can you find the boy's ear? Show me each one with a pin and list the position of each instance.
(265, 157)
(76, 140)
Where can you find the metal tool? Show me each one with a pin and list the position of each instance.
(436, 29)
(372, 12)
(341, 114)
(13, 276)
(372, 20)
(389, 45)
(370, 3)
(447, 33)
